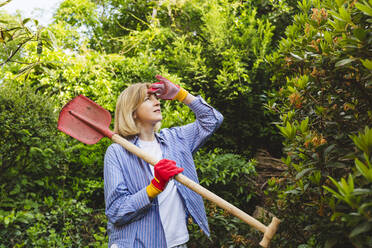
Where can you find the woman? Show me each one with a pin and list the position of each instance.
(145, 208)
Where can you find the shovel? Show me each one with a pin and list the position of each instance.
(86, 121)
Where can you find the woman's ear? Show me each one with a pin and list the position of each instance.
(134, 115)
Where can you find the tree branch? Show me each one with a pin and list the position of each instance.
(12, 55)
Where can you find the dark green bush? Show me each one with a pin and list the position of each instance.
(231, 177)
(51, 201)
(354, 201)
(29, 144)
(326, 95)
(212, 48)
(39, 203)
(321, 72)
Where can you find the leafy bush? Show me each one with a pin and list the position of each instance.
(321, 72)
(39, 203)
(354, 204)
(325, 78)
(29, 144)
(221, 61)
(231, 177)
(178, 39)
(53, 222)
(228, 174)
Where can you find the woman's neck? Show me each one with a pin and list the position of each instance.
(147, 134)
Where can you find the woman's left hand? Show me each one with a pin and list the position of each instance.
(167, 90)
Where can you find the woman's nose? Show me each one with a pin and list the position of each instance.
(156, 101)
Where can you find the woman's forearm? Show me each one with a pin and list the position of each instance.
(189, 98)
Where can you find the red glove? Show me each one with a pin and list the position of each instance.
(167, 90)
(164, 170)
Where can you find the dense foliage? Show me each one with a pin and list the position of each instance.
(290, 77)
(212, 48)
(42, 191)
(325, 98)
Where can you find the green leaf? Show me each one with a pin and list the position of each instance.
(344, 62)
(337, 16)
(15, 190)
(362, 228)
(335, 194)
(364, 140)
(25, 21)
(4, 3)
(361, 34)
(340, 2)
(296, 56)
(350, 182)
(369, 176)
(304, 125)
(336, 165)
(304, 246)
(25, 69)
(39, 182)
(343, 187)
(304, 6)
(35, 150)
(362, 168)
(303, 172)
(288, 131)
(24, 217)
(328, 37)
(293, 191)
(367, 63)
(329, 149)
(6, 36)
(6, 221)
(39, 47)
(25, 132)
(344, 14)
(363, 206)
(330, 243)
(364, 8)
(52, 38)
(362, 191)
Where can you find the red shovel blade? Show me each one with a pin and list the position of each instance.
(85, 120)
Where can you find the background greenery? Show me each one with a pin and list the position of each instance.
(290, 77)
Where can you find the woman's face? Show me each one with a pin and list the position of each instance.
(149, 111)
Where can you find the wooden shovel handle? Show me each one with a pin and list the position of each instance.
(268, 231)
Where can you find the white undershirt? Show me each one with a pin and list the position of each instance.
(171, 208)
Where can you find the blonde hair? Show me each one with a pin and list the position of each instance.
(128, 102)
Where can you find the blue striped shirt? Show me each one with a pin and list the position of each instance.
(134, 220)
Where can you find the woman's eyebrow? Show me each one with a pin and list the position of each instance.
(152, 94)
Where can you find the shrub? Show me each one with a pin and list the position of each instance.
(41, 203)
(354, 204)
(29, 144)
(231, 177)
(325, 96)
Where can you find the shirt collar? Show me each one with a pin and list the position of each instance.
(133, 139)
(159, 138)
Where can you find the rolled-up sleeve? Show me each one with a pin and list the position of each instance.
(122, 206)
(207, 121)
